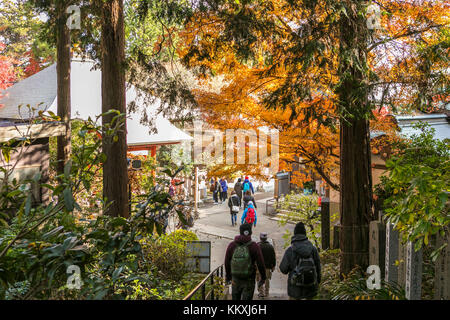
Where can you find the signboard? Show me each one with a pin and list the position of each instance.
(282, 184)
(198, 256)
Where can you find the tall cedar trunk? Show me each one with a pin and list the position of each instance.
(115, 176)
(355, 195)
(355, 161)
(63, 85)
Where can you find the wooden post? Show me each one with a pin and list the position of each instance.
(325, 223)
(402, 256)
(196, 189)
(442, 269)
(336, 230)
(152, 154)
(413, 274)
(377, 244)
(391, 254)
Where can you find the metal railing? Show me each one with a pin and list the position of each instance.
(202, 286)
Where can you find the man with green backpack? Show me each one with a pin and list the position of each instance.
(242, 258)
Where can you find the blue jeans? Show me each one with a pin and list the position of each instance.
(233, 218)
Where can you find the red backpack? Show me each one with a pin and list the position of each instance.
(250, 217)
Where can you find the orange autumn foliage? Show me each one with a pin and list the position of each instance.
(395, 63)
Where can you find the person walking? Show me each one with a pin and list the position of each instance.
(215, 188)
(301, 261)
(224, 192)
(234, 203)
(242, 258)
(248, 186)
(238, 189)
(249, 215)
(270, 261)
(249, 198)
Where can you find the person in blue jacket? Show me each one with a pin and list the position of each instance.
(247, 185)
(244, 214)
(224, 193)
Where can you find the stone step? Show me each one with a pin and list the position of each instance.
(275, 218)
(219, 232)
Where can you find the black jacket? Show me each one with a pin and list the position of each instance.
(238, 188)
(217, 187)
(234, 201)
(270, 259)
(247, 199)
(300, 246)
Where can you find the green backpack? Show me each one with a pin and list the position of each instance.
(241, 262)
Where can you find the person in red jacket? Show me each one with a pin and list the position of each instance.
(243, 289)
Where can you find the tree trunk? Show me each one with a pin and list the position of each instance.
(355, 156)
(63, 88)
(355, 194)
(115, 175)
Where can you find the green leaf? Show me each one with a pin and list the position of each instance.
(6, 152)
(28, 204)
(443, 197)
(67, 169)
(159, 228)
(181, 217)
(116, 273)
(68, 199)
(52, 232)
(13, 193)
(118, 222)
(101, 294)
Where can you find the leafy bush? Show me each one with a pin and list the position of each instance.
(329, 260)
(298, 207)
(416, 191)
(38, 242)
(167, 253)
(354, 285)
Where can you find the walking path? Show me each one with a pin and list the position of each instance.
(214, 225)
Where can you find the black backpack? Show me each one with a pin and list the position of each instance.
(304, 274)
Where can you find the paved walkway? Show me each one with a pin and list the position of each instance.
(214, 225)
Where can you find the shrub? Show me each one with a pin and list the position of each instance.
(38, 242)
(352, 286)
(168, 253)
(299, 207)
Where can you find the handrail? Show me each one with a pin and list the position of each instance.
(202, 285)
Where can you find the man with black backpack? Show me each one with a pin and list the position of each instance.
(301, 261)
(242, 258)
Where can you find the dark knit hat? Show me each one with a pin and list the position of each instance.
(245, 229)
(300, 228)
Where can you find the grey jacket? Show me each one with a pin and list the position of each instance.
(300, 246)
